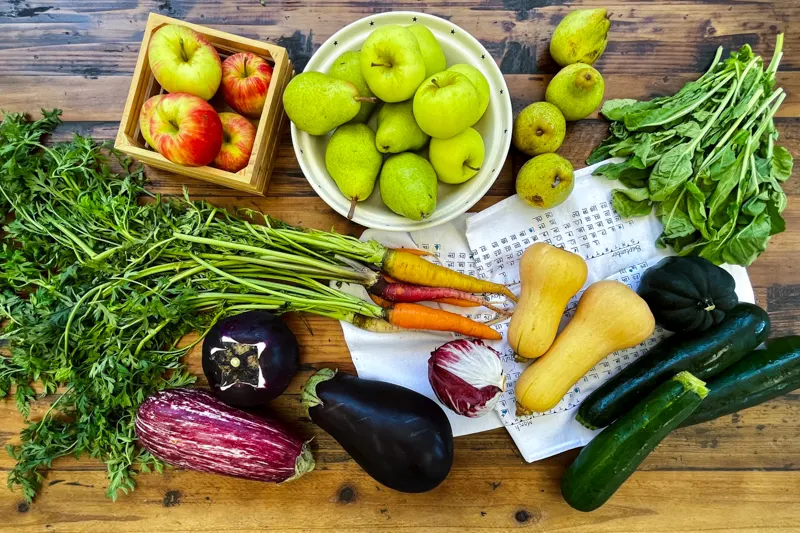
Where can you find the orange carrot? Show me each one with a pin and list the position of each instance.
(410, 268)
(413, 316)
(380, 301)
(457, 302)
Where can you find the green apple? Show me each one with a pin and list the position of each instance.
(481, 85)
(431, 49)
(183, 61)
(458, 158)
(445, 104)
(392, 63)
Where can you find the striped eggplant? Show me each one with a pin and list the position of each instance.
(189, 428)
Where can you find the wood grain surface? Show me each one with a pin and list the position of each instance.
(738, 473)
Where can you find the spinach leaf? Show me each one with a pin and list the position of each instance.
(628, 175)
(777, 224)
(602, 151)
(748, 242)
(616, 109)
(690, 129)
(671, 171)
(675, 216)
(726, 182)
(782, 164)
(696, 207)
(631, 202)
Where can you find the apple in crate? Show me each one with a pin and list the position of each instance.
(183, 61)
(144, 118)
(183, 128)
(245, 82)
(238, 136)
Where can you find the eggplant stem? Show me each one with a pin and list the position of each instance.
(308, 396)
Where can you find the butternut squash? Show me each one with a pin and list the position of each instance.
(550, 276)
(610, 317)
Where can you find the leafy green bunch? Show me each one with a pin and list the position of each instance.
(99, 281)
(705, 158)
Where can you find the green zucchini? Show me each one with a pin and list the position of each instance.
(756, 378)
(706, 355)
(613, 455)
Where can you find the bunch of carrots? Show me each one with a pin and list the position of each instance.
(397, 279)
(408, 278)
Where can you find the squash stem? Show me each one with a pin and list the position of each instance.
(691, 383)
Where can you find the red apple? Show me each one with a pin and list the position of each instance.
(183, 61)
(144, 117)
(245, 82)
(238, 136)
(185, 129)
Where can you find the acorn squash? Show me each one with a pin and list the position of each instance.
(688, 294)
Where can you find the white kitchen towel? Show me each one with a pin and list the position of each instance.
(613, 248)
(402, 358)
(488, 245)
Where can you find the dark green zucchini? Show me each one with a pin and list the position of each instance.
(743, 328)
(756, 378)
(605, 463)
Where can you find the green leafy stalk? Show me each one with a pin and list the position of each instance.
(705, 158)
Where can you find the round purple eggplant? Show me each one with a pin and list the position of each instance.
(399, 437)
(249, 359)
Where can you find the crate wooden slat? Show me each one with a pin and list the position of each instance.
(254, 178)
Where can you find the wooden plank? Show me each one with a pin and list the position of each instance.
(472, 499)
(102, 99)
(670, 38)
(739, 473)
(288, 179)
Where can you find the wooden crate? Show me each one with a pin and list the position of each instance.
(254, 178)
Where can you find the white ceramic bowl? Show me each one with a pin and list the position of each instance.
(495, 126)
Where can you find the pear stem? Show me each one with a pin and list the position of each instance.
(370, 99)
(352, 211)
(472, 168)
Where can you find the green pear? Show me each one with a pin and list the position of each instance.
(576, 90)
(581, 37)
(392, 63)
(545, 181)
(353, 162)
(445, 104)
(539, 129)
(408, 186)
(318, 103)
(397, 129)
(481, 85)
(458, 158)
(431, 50)
(347, 67)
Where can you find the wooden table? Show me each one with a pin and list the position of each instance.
(735, 474)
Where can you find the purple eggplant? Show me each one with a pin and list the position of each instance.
(192, 429)
(249, 359)
(399, 437)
